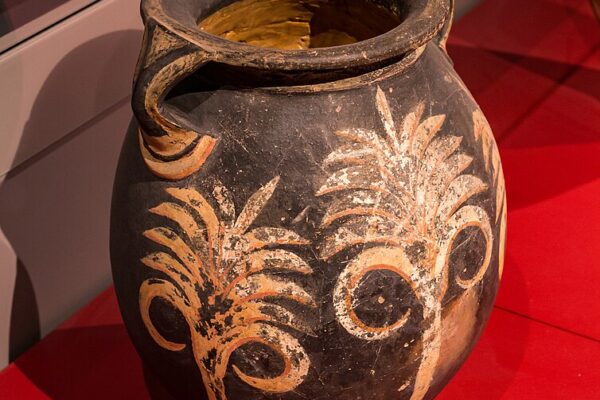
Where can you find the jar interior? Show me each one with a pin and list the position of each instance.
(301, 24)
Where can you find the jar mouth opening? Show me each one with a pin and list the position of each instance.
(421, 21)
(302, 24)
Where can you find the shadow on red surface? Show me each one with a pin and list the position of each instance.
(94, 363)
(549, 132)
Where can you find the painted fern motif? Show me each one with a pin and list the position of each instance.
(388, 192)
(221, 276)
(483, 133)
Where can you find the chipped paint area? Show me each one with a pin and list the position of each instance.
(170, 151)
(393, 191)
(161, 44)
(483, 133)
(220, 275)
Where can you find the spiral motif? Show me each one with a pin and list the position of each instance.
(468, 216)
(374, 259)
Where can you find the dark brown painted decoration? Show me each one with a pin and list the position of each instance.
(309, 204)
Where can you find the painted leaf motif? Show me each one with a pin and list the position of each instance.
(215, 265)
(390, 190)
(483, 133)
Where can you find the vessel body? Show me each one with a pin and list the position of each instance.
(337, 239)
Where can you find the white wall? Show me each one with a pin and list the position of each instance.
(63, 113)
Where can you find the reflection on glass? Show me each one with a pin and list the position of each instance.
(21, 19)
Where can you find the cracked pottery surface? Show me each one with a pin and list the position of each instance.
(333, 231)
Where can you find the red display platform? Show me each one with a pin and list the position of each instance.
(534, 67)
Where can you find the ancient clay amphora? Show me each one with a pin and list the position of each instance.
(299, 222)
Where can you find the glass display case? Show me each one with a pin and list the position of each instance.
(22, 19)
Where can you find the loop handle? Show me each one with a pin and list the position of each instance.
(170, 149)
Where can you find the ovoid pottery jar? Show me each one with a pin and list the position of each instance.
(321, 223)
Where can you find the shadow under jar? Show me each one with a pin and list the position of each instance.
(309, 203)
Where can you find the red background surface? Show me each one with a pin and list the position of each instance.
(534, 67)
